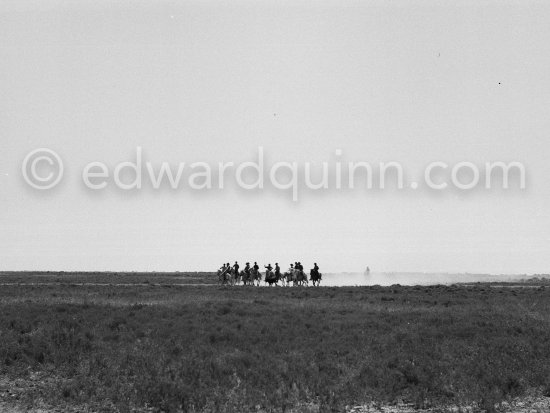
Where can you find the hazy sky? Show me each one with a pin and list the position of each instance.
(413, 82)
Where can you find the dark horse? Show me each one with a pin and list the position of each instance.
(315, 276)
(271, 278)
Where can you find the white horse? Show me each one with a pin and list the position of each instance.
(255, 277)
(224, 276)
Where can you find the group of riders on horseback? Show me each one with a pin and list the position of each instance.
(251, 275)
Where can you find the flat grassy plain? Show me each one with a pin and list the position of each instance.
(160, 342)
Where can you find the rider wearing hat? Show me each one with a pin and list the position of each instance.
(315, 270)
(269, 272)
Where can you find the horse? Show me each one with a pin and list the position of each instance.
(246, 277)
(235, 276)
(285, 278)
(315, 276)
(225, 276)
(256, 276)
(299, 278)
(291, 276)
(271, 278)
(249, 277)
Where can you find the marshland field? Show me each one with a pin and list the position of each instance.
(178, 342)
